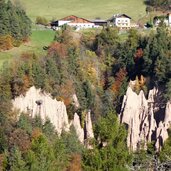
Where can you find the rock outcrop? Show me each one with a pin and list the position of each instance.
(40, 103)
(79, 130)
(35, 102)
(88, 127)
(85, 133)
(146, 119)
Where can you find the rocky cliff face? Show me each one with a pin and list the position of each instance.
(40, 103)
(86, 132)
(146, 119)
(79, 130)
(36, 102)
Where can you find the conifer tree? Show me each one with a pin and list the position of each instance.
(14, 24)
(4, 19)
(14, 21)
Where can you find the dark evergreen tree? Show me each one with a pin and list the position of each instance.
(14, 23)
(24, 22)
(4, 19)
(111, 150)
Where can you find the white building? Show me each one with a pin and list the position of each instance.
(74, 21)
(120, 20)
(165, 19)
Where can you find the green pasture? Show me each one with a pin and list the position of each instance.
(39, 38)
(90, 9)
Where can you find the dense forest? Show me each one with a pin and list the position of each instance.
(97, 67)
(15, 26)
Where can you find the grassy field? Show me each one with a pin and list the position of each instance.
(89, 9)
(39, 39)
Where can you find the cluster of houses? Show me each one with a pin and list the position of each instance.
(121, 21)
(165, 19)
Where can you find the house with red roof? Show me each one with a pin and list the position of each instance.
(74, 21)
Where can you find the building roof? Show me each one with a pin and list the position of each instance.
(96, 20)
(118, 16)
(74, 19)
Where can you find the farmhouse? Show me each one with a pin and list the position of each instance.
(120, 20)
(73, 21)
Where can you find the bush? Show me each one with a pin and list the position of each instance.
(6, 42)
(42, 21)
(17, 43)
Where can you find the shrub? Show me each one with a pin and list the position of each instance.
(42, 21)
(6, 42)
(57, 48)
(75, 163)
(17, 43)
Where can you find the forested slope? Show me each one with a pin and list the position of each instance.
(15, 26)
(97, 67)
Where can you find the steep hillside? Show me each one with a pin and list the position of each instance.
(88, 72)
(83, 8)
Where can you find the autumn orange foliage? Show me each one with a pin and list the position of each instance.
(6, 42)
(36, 133)
(58, 48)
(20, 85)
(66, 92)
(26, 39)
(120, 76)
(75, 164)
(27, 82)
(1, 161)
(20, 139)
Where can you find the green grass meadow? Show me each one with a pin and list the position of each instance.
(89, 9)
(39, 38)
